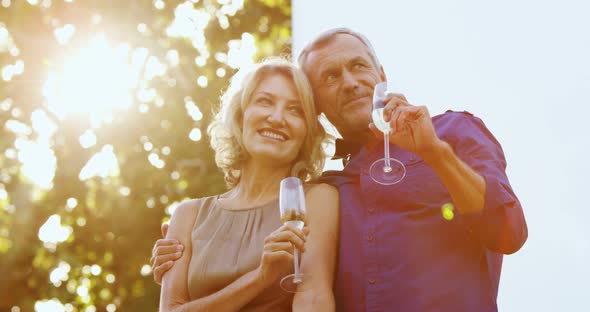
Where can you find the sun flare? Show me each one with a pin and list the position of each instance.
(97, 81)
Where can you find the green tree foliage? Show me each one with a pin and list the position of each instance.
(104, 223)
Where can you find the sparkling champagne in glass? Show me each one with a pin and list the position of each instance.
(387, 170)
(292, 207)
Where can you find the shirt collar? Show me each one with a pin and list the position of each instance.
(346, 149)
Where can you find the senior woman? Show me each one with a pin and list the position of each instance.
(236, 248)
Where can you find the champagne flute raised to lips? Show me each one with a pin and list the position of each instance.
(387, 170)
(292, 207)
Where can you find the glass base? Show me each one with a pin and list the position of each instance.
(381, 175)
(296, 283)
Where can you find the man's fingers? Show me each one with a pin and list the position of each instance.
(164, 229)
(162, 248)
(165, 250)
(165, 258)
(162, 242)
(166, 242)
(395, 100)
(402, 116)
(393, 120)
(401, 119)
(160, 270)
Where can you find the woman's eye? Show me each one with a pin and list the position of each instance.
(263, 101)
(331, 77)
(296, 109)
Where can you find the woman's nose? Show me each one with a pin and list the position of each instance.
(277, 116)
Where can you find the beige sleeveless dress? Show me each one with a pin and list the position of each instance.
(227, 244)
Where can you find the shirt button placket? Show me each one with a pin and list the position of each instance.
(370, 254)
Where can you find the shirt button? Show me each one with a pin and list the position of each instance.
(371, 209)
(370, 238)
(371, 281)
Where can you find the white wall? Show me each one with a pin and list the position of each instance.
(524, 68)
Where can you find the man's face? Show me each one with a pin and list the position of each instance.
(342, 76)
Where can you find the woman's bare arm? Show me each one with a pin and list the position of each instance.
(321, 249)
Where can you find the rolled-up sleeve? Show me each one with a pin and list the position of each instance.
(501, 225)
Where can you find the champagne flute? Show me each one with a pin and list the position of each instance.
(387, 170)
(292, 206)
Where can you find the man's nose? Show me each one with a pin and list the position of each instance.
(349, 81)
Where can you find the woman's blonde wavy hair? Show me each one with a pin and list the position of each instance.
(225, 131)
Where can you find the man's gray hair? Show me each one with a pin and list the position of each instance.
(326, 36)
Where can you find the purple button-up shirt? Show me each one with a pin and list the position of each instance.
(397, 251)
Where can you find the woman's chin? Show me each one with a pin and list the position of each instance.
(272, 159)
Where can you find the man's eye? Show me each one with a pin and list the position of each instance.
(359, 66)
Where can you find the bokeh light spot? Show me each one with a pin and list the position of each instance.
(52, 232)
(59, 274)
(71, 204)
(110, 278)
(102, 164)
(195, 134)
(95, 269)
(53, 305)
(193, 110)
(448, 211)
(146, 270)
(64, 34)
(87, 139)
(111, 307)
(155, 160)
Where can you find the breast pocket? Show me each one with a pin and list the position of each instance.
(420, 187)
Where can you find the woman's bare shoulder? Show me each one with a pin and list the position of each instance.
(321, 189)
(186, 211)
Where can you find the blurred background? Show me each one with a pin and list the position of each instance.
(104, 106)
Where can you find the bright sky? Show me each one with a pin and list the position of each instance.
(524, 68)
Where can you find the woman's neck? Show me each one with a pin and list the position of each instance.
(259, 183)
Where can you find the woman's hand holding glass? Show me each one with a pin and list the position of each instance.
(277, 254)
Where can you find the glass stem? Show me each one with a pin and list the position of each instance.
(296, 278)
(387, 166)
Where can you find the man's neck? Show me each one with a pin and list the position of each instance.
(366, 138)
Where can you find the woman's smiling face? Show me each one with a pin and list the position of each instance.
(274, 125)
